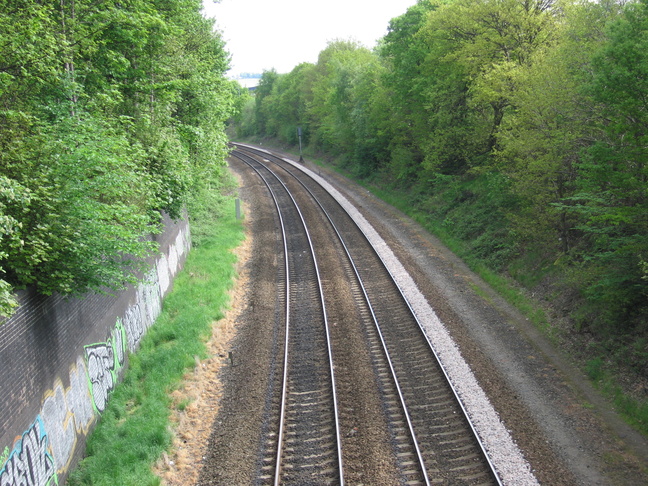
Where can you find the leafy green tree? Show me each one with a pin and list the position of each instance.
(452, 136)
(489, 40)
(13, 198)
(370, 117)
(338, 91)
(293, 92)
(542, 139)
(404, 52)
(110, 112)
(246, 124)
(241, 100)
(83, 225)
(612, 197)
(263, 98)
(158, 64)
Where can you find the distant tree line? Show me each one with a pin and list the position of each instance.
(520, 125)
(110, 113)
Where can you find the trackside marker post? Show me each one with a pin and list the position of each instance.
(299, 133)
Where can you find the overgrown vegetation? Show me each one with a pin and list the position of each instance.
(134, 428)
(517, 128)
(110, 113)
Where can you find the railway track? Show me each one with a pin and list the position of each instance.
(307, 446)
(430, 435)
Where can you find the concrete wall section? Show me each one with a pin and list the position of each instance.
(60, 358)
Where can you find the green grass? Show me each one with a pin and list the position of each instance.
(134, 429)
(635, 411)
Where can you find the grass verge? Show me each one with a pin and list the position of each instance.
(635, 411)
(133, 431)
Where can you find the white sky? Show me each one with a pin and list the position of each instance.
(280, 34)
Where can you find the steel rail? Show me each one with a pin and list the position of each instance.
(286, 346)
(416, 318)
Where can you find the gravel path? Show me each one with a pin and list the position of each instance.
(555, 427)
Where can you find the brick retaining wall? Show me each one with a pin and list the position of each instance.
(61, 357)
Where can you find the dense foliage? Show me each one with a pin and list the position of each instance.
(520, 126)
(110, 113)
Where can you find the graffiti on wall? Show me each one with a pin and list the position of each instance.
(30, 463)
(105, 360)
(141, 315)
(167, 266)
(67, 413)
(46, 449)
(150, 293)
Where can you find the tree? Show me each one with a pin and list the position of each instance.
(83, 225)
(404, 51)
(263, 99)
(328, 110)
(293, 92)
(552, 123)
(611, 199)
(490, 40)
(12, 197)
(110, 113)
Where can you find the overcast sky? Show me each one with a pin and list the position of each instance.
(280, 34)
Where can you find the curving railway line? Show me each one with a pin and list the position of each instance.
(307, 447)
(336, 290)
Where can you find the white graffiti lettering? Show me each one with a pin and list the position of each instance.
(180, 243)
(101, 366)
(59, 423)
(173, 261)
(133, 326)
(30, 463)
(78, 398)
(118, 343)
(67, 413)
(149, 294)
(163, 274)
(141, 315)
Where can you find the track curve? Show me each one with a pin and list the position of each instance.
(415, 391)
